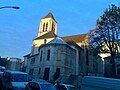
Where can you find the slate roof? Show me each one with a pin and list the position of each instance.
(75, 38)
(50, 34)
(74, 44)
(68, 39)
(57, 40)
(49, 15)
(27, 55)
(33, 55)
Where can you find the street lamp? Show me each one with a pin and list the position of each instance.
(14, 7)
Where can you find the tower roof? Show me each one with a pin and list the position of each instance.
(49, 15)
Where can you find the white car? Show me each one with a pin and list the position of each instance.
(39, 84)
(14, 80)
(69, 87)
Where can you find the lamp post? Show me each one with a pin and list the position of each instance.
(14, 7)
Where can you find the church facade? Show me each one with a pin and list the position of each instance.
(54, 57)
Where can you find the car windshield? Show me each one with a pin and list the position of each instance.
(47, 87)
(19, 77)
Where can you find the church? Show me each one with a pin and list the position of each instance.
(59, 58)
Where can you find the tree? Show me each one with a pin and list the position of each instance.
(107, 33)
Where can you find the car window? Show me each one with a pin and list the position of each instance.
(47, 87)
(60, 87)
(6, 77)
(33, 86)
(19, 77)
(6, 74)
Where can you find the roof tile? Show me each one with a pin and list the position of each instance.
(50, 34)
(75, 38)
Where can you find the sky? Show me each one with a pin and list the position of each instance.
(18, 28)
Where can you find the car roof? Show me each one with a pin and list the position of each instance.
(15, 72)
(40, 81)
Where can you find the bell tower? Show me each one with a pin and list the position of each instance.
(47, 24)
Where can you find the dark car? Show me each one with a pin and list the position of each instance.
(1, 86)
(14, 80)
(60, 86)
(2, 69)
(39, 84)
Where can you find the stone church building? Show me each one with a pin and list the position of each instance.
(53, 57)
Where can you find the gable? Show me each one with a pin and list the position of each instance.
(50, 34)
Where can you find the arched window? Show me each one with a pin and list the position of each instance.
(46, 26)
(41, 55)
(48, 54)
(45, 41)
(43, 27)
(53, 26)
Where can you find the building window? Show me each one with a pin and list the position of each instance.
(57, 74)
(39, 70)
(79, 53)
(32, 61)
(43, 27)
(31, 71)
(45, 41)
(46, 74)
(41, 53)
(58, 70)
(48, 54)
(87, 58)
(53, 26)
(46, 26)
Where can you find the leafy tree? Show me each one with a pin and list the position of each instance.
(106, 35)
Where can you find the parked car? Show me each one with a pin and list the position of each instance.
(69, 87)
(100, 83)
(60, 86)
(1, 74)
(14, 80)
(2, 68)
(1, 86)
(39, 84)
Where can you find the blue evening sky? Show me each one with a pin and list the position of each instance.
(19, 27)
